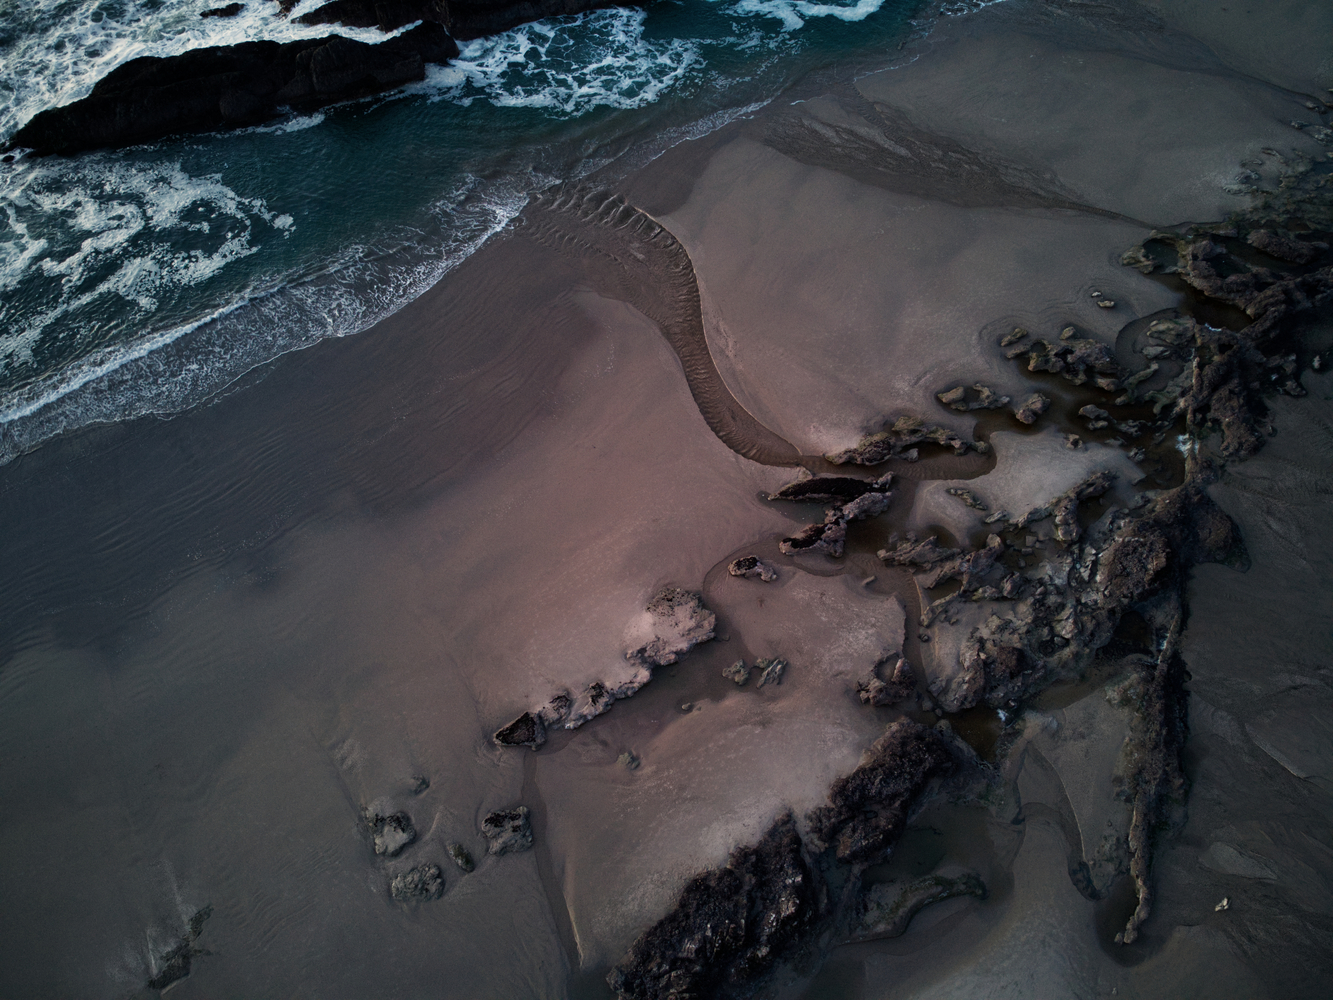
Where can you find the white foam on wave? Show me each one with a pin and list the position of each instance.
(166, 371)
(78, 235)
(566, 66)
(53, 51)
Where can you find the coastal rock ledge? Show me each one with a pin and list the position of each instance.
(232, 86)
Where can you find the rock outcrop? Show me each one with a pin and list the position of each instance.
(868, 808)
(899, 440)
(205, 90)
(676, 622)
(423, 882)
(832, 489)
(507, 830)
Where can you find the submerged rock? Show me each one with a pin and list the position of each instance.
(508, 830)
(752, 568)
(422, 882)
(174, 965)
(868, 808)
(390, 834)
(885, 910)
(729, 927)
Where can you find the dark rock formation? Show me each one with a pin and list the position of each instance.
(1075, 359)
(422, 882)
(1284, 247)
(899, 685)
(390, 834)
(957, 398)
(231, 10)
(828, 537)
(174, 965)
(465, 19)
(752, 568)
(223, 87)
(832, 489)
(770, 670)
(738, 673)
(462, 857)
(527, 730)
(885, 910)
(914, 553)
(868, 808)
(1065, 507)
(729, 927)
(508, 830)
(895, 440)
(1031, 408)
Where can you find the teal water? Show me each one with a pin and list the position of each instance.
(144, 280)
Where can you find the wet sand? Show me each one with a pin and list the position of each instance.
(228, 634)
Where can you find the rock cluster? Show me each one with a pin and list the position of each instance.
(900, 440)
(957, 398)
(1076, 359)
(863, 499)
(678, 621)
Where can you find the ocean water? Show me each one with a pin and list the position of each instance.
(144, 280)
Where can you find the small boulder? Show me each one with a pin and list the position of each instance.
(752, 568)
(390, 833)
(462, 857)
(738, 673)
(508, 830)
(421, 882)
(770, 670)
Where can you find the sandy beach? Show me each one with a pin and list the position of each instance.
(231, 634)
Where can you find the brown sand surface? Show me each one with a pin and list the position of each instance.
(358, 564)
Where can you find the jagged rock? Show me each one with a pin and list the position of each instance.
(729, 926)
(231, 10)
(892, 442)
(679, 623)
(1076, 360)
(969, 567)
(527, 730)
(832, 489)
(868, 808)
(421, 882)
(987, 399)
(885, 910)
(1013, 337)
(1031, 408)
(751, 568)
(1065, 506)
(204, 90)
(866, 506)
(770, 670)
(508, 830)
(829, 537)
(738, 673)
(174, 965)
(968, 497)
(390, 834)
(898, 686)
(462, 857)
(1285, 248)
(914, 553)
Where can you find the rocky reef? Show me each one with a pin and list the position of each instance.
(732, 926)
(222, 87)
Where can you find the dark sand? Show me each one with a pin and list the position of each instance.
(227, 634)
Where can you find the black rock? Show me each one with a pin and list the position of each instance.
(465, 20)
(221, 87)
(231, 10)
